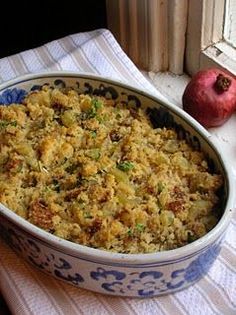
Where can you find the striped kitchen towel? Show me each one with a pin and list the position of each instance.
(28, 291)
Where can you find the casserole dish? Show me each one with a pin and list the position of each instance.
(138, 275)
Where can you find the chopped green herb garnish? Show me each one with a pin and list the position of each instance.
(87, 215)
(105, 117)
(47, 189)
(56, 185)
(92, 112)
(125, 166)
(160, 187)
(96, 103)
(99, 119)
(118, 116)
(93, 134)
(159, 205)
(19, 168)
(5, 123)
(95, 154)
(129, 232)
(140, 227)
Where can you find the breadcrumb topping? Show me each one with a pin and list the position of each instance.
(97, 173)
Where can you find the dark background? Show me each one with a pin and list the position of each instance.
(29, 24)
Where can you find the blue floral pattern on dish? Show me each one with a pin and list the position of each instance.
(143, 284)
(62, 269)
(14, 95)
(202, 264)
(154, 282)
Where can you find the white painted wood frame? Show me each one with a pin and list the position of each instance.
(152, 32)
(230, 22)
(205, 45)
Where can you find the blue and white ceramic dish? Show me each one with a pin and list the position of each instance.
(137, 275)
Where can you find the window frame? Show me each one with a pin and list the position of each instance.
(205, 43)
(172, 35)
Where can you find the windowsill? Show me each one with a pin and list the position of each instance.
(170, 85)
(221, 55)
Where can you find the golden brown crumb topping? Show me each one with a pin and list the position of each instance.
(97, 173)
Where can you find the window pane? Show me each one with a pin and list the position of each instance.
(230, 22)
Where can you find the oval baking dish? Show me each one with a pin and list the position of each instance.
(138, 275)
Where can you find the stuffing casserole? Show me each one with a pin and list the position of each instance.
(95, 172)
